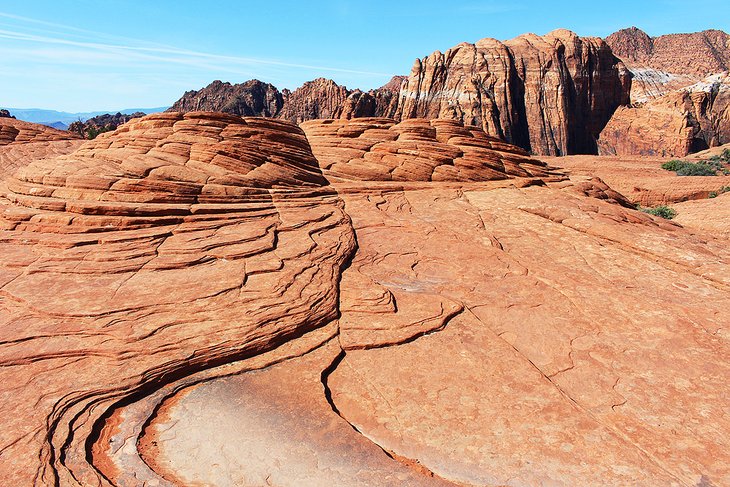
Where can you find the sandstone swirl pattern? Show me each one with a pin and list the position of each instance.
(378, 149)
(175, 244)
(205, 299)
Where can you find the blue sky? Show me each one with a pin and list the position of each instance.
(87, 55)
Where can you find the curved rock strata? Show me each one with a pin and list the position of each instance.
(14, 131)
(182, 303)
(177, 243)
(378, 149)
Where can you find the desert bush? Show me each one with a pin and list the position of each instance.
(715, 194)
(661, 211)
(708, 167)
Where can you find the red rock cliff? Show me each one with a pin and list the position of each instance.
(551, 95)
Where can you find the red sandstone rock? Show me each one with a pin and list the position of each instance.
(562, 357)
(137, 260)
(666, 63)
(500, 87)
(641, 179)
(182, 301)
(676, 124)
(377, 149)
(14, 131)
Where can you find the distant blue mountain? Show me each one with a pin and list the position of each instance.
(58, 119)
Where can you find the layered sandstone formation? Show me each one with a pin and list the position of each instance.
(679, 94)
(205, 299)
(378, 149)
(15, 156)
(674, 125)
(473, 356)
(23, 142)
(551, 95)
(14, 131)
(177, 243)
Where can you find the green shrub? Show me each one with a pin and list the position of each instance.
(715, 194)
(673, 165)
(661, 211)
(701, 168)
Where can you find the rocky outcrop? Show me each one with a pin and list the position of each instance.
(102, 123)
(323, 98)
(15, 156)
(676, 124)
(252, 98)
(551, 95)
(14, 131)
(379, 149)
(320, 98)
(669, 62)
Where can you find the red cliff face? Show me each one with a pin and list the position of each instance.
(680, 94)
(551, 95)
(673, 125)
(669, 62)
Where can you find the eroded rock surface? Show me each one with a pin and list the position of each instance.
(641, 179)
(669, 62)
(183, 302)
(138, 259)
(14, 131)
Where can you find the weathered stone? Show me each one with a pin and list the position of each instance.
(501, 86)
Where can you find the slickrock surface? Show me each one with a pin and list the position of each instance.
(576, 359)
(172, 245)
(14, 131)
(679, 123)
(493, 336)
(378, 149)
(641, 179)
(191, 300)
(15, 156)
(501, 86)
(669, 62)
(710, 216)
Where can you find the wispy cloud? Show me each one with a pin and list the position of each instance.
(174, 55)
